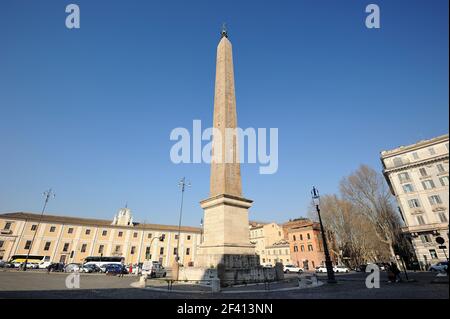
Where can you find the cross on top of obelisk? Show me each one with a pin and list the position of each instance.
(224, 30)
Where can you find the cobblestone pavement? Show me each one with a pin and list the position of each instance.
(14, 284)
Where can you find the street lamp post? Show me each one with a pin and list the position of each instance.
(328, 264)
(47, 194)
(183, 183)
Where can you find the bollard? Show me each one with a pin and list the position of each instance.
(215, 285)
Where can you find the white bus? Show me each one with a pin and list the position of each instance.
(101, 261)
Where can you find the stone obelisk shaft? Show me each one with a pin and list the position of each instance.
(225, 168)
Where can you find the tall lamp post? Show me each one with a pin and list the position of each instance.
(328, 264)
(47, 194)
(183, 183)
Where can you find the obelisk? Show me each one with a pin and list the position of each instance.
(226, 229)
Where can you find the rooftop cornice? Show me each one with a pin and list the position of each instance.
(412, 147)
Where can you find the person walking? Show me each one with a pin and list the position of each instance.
(396, 272)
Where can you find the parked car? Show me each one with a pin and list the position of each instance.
(341, 269)
(153, 269)
(72, 267)
(115, 269)
(56, 267)
(321, 269)
(361, 268)
(44, 264)
(90, 268)
(291, 268)
(440, 266)
(5, 264)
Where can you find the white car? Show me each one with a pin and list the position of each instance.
(44, 264)
(153, 269)
(291, 268)
(341, 269)
(321, 269)
(72, 268)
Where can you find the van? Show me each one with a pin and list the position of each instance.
(153, 269)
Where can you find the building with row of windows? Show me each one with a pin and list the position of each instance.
(71, 240)
(297, 242)
(418, 176)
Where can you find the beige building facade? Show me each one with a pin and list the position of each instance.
(70, 239)
(418, 176)
(263, 236)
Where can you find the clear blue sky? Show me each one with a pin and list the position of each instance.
(89, 111)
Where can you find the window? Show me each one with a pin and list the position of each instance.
(408, 188)
(431, 150)
(100, 249)
(147, 253)
(161, 251)
(135, 235)
(133, 250)
(310, 248)
(27, 244)
(7, 226)
(413, 203)
(162, 237)
(433, 254)
(83, 248)
(104, 233)
(295, 248)
(302, 248)
(423, 172)
(33, 227)
(117, 250)
(403, 177)
(176, 236)
(440, 168)
(66, 247)
(120, 234)
(188, 251)
(420, 220)
(1, 243)
(398, 161)
(88, 231)
(415, 155)
(52, 229)
(308, 236)
(188, 238)
(279, 233)
(425, 239)
(149, 236)
(175, 250)
(443, 217)
(312, 262)
(301, 237)
(70, 230)
(47, 246)
(293, 237)
(428, 184)
(444, 181)
(435, 200)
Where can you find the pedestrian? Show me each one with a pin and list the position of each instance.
(396, 272)
(130, 270)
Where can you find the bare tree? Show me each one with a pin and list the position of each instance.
(367, 190)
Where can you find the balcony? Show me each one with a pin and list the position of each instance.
(425, 228)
